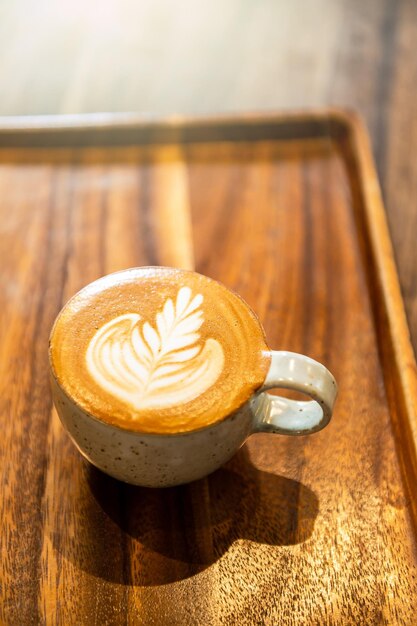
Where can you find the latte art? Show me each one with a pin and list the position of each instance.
(156, 365)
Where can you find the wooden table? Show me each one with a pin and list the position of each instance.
(162, 58)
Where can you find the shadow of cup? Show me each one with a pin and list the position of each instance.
(145, 537)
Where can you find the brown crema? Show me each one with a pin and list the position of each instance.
(158, 350)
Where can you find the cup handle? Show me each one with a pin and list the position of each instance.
(275, 414)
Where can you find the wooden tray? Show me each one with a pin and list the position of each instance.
(287, 211)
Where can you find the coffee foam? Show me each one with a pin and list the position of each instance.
(158, 350)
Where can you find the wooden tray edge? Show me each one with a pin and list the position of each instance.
(131, 128)
(96, 121)
(394, 341)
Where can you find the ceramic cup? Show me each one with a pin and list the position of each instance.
(161, 460)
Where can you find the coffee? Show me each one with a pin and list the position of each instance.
(158, 350)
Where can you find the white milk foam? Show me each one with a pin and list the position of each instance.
(160, 365)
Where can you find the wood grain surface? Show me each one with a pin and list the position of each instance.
(308, 530)
(161, 57)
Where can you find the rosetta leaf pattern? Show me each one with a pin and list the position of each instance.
(154, 363)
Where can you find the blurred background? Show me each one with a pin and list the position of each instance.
(162, 57)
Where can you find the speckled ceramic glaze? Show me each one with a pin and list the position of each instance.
(170, 459)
